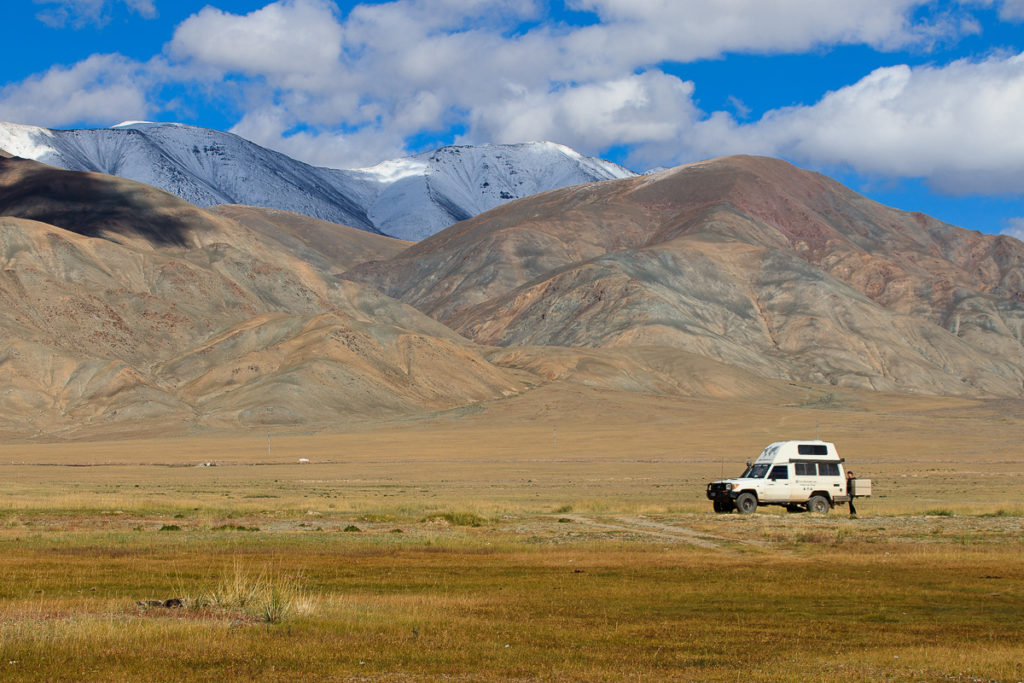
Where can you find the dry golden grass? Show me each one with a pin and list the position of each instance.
(606, 611)
(479, 547)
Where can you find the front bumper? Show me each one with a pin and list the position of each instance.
(720, 491)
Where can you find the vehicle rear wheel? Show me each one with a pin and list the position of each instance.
(746, 503)
(819, 504)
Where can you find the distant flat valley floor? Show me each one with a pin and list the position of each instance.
(562, 534)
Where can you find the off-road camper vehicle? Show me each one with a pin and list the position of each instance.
(800, 475)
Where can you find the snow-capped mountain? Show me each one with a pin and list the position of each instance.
(410, 198)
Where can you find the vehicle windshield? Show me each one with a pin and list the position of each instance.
(755, 472)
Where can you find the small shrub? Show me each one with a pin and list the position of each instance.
(564, 520)
(459, 518)
(1001, 512)
(942, 512)
(170, 527)
(828, 400)
(352, 528)
(397, 531)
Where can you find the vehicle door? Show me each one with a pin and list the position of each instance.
(778, 485)
(805, 480)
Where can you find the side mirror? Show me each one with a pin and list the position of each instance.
(748, 463)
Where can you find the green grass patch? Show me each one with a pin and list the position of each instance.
(458, 518)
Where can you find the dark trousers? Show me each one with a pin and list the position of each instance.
(853, 510)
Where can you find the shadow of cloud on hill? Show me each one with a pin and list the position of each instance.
(89, 204)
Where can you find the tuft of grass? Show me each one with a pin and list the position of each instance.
(262, 596)
(819, 537)
(1001, 512)
(940, 512)
(564, 509)
(235, 527)
(458, 518)
(464, 519)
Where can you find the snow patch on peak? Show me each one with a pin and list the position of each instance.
(395, 170)
(567, 151)
(27, 142)
(132, 124)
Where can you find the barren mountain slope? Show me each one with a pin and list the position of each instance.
(332, 247)
(746, 260)
(125, 305)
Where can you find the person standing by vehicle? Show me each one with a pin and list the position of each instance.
(849, 492)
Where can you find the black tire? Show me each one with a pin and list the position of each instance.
(746, 503)
(819, 504)
(722, 506)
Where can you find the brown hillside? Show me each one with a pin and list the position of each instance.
(127, 311)
(123, 305)
(333, 247)
(746, 260)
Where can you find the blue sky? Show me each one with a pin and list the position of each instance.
(918, 104)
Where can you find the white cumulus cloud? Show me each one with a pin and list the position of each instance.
(350, 89)
(99, 90)
(293, 42)
(400, 68)
(1014, 227)
(956, 126)
(651, 31)
(637, 109)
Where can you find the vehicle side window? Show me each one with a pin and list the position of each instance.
(812, 449)
(828, 469)
(806, 469)
(779, 472)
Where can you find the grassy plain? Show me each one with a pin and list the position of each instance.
(559, 535)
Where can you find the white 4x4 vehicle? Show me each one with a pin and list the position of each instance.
(800, 475)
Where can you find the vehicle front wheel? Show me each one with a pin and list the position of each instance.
(819, 504)
(746, 503)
